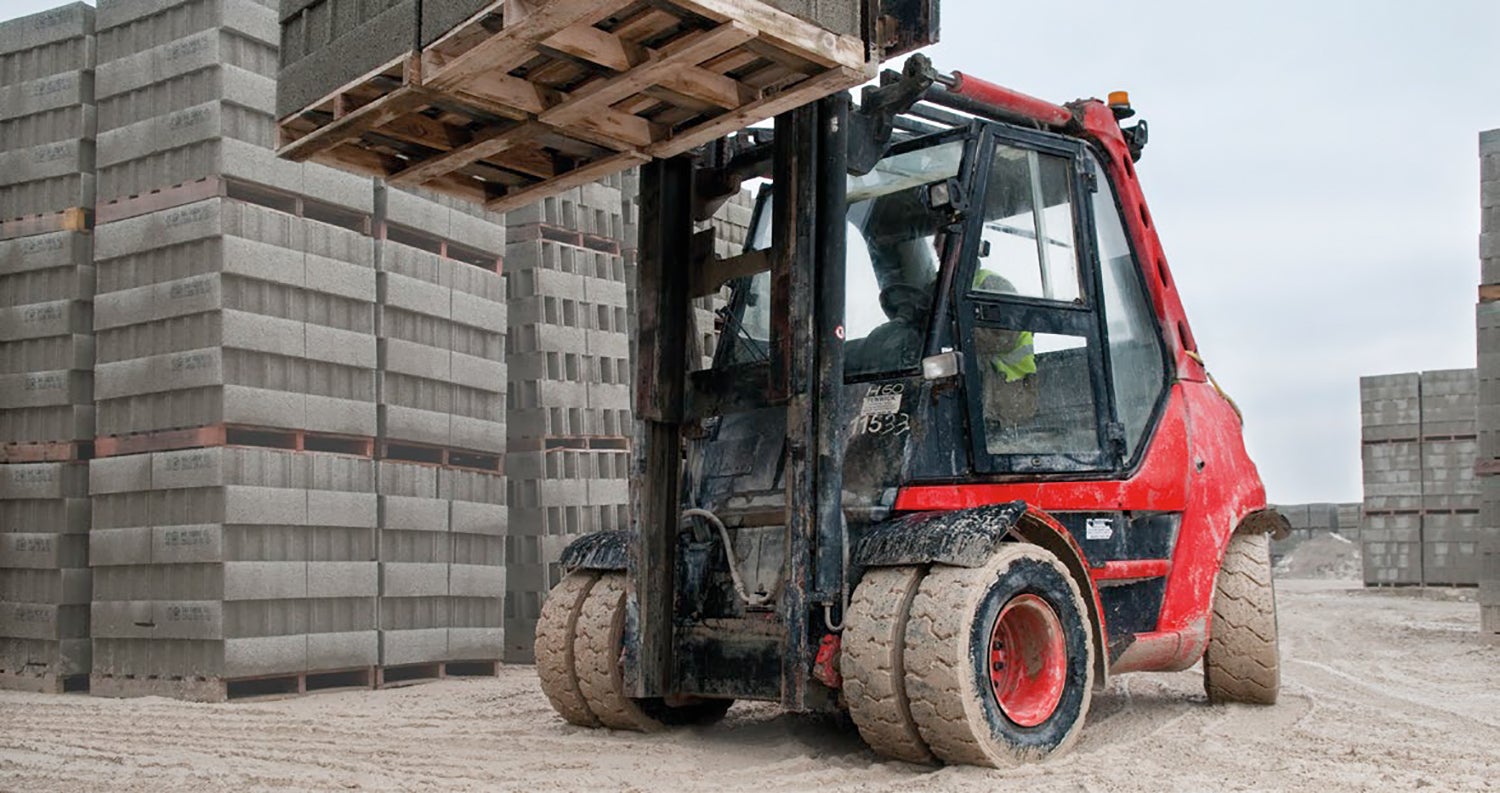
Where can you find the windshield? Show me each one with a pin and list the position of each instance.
(891, 266)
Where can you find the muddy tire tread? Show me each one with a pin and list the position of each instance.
(1242, 662)
(596, 656)
(873, 663)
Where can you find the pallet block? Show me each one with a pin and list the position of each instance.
(526, 99)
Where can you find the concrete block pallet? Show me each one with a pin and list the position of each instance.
(355, 86)
(442, 570)
(47, 131)
(441, 328)
(1487, 322)
(223, 311)
(47, 121)
(46, 347)
(227, 564)
(1421, 497)
(570, 404)
(44, 576)
(186, 91)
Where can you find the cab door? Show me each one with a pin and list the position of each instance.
(1037, 373)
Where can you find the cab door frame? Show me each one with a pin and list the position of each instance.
(1037, 315)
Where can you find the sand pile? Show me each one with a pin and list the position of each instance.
(1326, 556)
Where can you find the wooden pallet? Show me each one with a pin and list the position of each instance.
(577, 442)
(441, 246)
(448, 457)
(527, 99)
(550, 233)
(233, 435)
(414, 674)
(215, 689)
(46, 452)
(70, 219)
(221, 187)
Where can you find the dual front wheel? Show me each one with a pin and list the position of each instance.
(983, 666)
(579, 639)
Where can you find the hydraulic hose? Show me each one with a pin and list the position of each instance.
(734, 571)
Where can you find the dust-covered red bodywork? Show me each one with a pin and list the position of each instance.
(1195, 463)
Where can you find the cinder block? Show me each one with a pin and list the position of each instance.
(323, 49)
(398, 580)
(65, 22)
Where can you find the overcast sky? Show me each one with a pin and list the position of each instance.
(1313, 171)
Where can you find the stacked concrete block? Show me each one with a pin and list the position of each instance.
(731, 226)
(1488, 326)
(226, 311)
(47, 128)
(1351, 517)
(441, 325)
(1450, 492)
(442, 564)
(214, 565)
(186, 91)
(569, 399)
(1421, 506)
(47, 112)
(416, 553)
(478, 526)
(46, 346)
(555, 496)
(44, 576)
(1307, 521)
(327, 44)
(1391, 455)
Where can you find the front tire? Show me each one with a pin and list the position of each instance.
(1242, 662)
(874, 664)
(598, 642)
(999, 659)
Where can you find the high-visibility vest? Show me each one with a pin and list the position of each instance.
(1020, 360)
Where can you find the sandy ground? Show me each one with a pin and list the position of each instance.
(1381, 691)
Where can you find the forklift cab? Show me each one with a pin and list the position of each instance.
(991, 262)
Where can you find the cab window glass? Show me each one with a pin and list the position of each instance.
(891, 266)
(1135, 353)
(1036, 393)
(892, 258)
(1027, 246)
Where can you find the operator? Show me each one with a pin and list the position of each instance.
(1009, 360)
(908, 277)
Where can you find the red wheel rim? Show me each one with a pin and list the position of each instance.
(1028, 660)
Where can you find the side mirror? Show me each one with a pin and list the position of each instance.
(943, 366)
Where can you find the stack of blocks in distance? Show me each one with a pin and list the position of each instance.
(569, 399)
(441, 322)
(47, 128)
(1421, 506)
(1488, 325)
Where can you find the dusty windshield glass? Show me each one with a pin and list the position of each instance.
(892, 264)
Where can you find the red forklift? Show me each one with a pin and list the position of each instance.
(957, 460)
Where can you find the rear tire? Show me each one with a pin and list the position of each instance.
(999, 659)
(598, 642)
(874, 665)
(554, 647)
(1242, 662)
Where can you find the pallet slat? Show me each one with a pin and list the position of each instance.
(527, 99)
